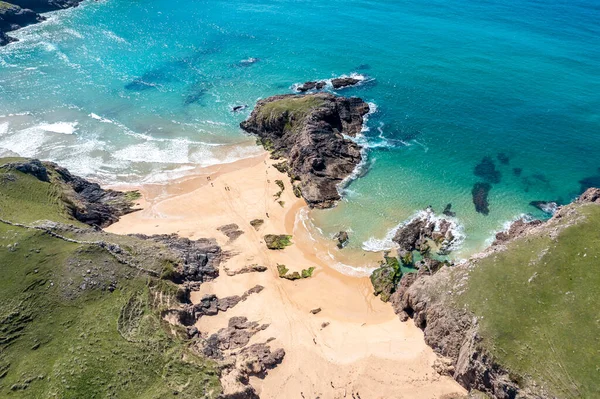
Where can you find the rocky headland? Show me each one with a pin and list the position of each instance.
(441, 299)
(313, 133)
(17, 14)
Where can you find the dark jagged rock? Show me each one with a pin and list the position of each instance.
(211, 305)
(416, 234)
(590, 195)
(232, 231)
(13, 17)
(88, 202)
(238, 108)
(342, 239)
(4, 39)
(549, 207)
(256, 223)
(486, 170)
(246, 269)
(517, 228)
(46, 5)
(480, 197)
(20, 13)
(340, 83)
(309, 131)
(198, 260)
(312, 85)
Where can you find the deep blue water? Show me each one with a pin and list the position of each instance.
(144, 90)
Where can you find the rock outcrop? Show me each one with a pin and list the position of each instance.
(312, 132)
(46, 5)
(17, 14)
(13, 17)
(239, 360)
(87, 202)
(418, 233)
(197, 260)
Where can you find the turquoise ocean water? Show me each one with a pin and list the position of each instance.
(130, 92)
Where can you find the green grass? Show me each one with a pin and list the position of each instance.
(4, 5)
(63, 333)
(27, 199)
(295, 107)
(540, 307)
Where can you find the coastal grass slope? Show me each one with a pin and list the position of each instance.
(537, 303)
(77, 321)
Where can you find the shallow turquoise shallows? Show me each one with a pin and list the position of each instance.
(125, 91)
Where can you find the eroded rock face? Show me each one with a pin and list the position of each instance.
(590, 195)
(453, 333)
(309, 130)
(517, 228)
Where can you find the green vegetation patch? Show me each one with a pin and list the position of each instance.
(277, 242)
(295, 108)
(538, 304)
(385, 279)
(76, 323)
(25, 198)
(284, 272)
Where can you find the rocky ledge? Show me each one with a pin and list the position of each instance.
(313, 132)
(17, 14)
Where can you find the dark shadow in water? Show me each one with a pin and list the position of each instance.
(517, 171)
(503, 158)
(537, 179)
(150, 80)
(480, 197)
(486, 170)
(363, 67)
(195, 94)
(589, 182)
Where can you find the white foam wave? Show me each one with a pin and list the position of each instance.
(113, 36)
(101, 119)
(59, 127)
(374, 244)
(4, 128)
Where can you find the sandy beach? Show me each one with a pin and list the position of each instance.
(355, 347)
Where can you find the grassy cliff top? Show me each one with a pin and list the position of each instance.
(538, 304)
(75, 321)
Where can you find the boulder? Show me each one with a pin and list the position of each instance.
(340, 83)
(342, 239)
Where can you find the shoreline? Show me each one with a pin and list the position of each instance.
(355, 340)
